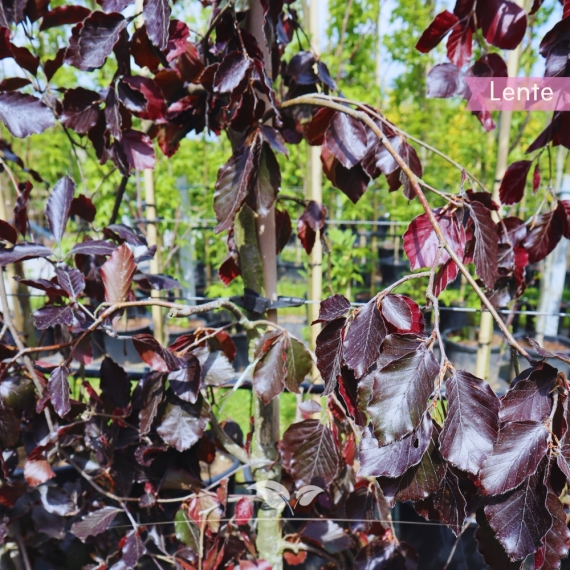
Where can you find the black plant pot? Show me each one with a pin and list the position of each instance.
(123, 351)
(450, 319)
(392, 270)
(463, 355)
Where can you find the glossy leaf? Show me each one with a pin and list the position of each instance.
(445, 80)
(231, 73)
(503, 23)
(93, 39)
(436, 31)
(58, 206)
(490, 548)
(513, 184)
(93, 247)
(329, 353)
(394, 459)
(332, 308)
(37, 469)
(185, 383)
(58, 390)
(450, 502)
(556, 543)
(64, 15)
(402, 313)
(486, 248)
(24, 114)
(156, 14)
(545, 234)
(310, 453)
(519, 450)
(363, 339)
(52, 315)
(520, 518)
(346, 139)
(117, 274)
(94, 523)
(398, 394)
(71, 280)
(182, 425)
(472, 423)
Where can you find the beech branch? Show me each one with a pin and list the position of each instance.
(364, 117)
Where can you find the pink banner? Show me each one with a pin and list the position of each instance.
(519, 93)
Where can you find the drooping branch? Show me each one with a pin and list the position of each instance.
(364, 117)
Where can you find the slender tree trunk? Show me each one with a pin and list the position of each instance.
(258, 244)
(505, 121)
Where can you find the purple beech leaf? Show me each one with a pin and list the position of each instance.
(232, 71)
(37, 469)
(450, 503)
(329, 353)
(557, 540)
(58, 206)
(183, 424)
(310, 453)
(139, 149)
(94, 523)
(93, 247)
(399, 394)
(513, 184)
(486, 244)
(155, 355)
(93, 39)
(529, 398)
(8, 232)
(442, 24)
(133, 549)
(517, 454)
(333, 308)
(346, 139)
(23, 251)
(536, 178)
(395, 346)
(24, 115)
(117, 274)
(71, 280)
(503, 23)
(490, 548)
(380, 555)
(545, 234)
(419, 481)
(402, 313)
(445, 80)
(234, 181)
(52, 315)
(298, 362)
(58, 389)
(64, 15)
(185, 383)
(394, 459)
(80, 109)
(264, 192)
(151, 388)
(472, 423)
(363, 339)
(156, 14)
(122, 233)
(83, 207)
(115, 383)
(520, 518)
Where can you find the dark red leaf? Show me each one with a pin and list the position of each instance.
(13, 83)
(25, 59)
(529, 398)
(402, 313)
(436, 31)
(94, 523)
(333, 308)
(117, 274)
(472, 423)
(536, 178)
(52, 65)
(64, 15)
(394, 459)
(377, 555)
(545, 235)
(514, 182)
(93, 247)
(329, 353)
(516, 456)
(490, 65)
(396, 396)
(37, 469)
(185, 383)
(139, 149)
(315, 131)
(232, 72)
(156, 14)
(58, 206)
(183, 424)
(80, 109)
(123, 233)
(93, 40)
(311, 222)
(133, 549)
(346, 139)
(23, 251)
(486, 248)
(58, 390)
(143, 97)
(24, 115)
(445, 80)
(263, 194)
(21, 208)
(490, 548)
(52, 315)
(243, 510)
(8, 232)
(450, 503)
(283, 229)
(419, 481)
(520, 518)
(397, 345)
(154, 354)
(70, 280)
(310, 453)
(115, 5)
(83, 207)
(557, 540)
(503, 23)
(364, 337)
(460, 43)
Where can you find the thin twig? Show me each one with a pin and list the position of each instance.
(340, 47)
